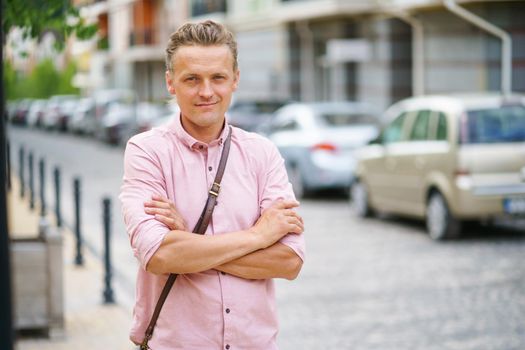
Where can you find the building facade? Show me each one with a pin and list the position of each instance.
(311, 50)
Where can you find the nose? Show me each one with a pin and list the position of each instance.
(206, 90)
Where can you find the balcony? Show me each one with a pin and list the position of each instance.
(205, 7)
(141, 37)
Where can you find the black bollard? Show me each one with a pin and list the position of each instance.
(31, 182)
(79, 259)
(108, 291)
(21, 157)
(58, 214)
(42, 168)
(8, 158)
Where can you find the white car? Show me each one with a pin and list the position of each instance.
(318, 141)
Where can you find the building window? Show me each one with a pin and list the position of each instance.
(204, 7)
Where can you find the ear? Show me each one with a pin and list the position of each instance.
(169, 83)
(236, 78)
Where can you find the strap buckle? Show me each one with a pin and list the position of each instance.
(144, 345)
(215, 189)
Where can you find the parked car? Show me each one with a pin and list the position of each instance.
(10, 109)
(58, 111)
(20, 111)
(36, 111)
(104, 99)
(147, 115)
(446, 159)
(117, 123)
(318, 140)
(83, 119)
(249, 114)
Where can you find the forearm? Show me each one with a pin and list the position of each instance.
(276, 261)
(184, 252)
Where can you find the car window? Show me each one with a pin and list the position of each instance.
(394, 131)
(441, 127)
(503, 124)
(420, 126)
(338, 119)
(259, 107)
(285, 125)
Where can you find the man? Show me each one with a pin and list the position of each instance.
(224, 295)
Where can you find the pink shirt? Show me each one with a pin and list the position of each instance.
(206, 310)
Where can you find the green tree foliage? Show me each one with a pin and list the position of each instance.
(37, 17)
(43, 82)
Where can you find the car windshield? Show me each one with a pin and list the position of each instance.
(503, 124)
(340, 119)
(257, 107)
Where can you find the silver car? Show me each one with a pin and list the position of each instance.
(446, 159)
(318, 140)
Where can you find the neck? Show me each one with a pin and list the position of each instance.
(205, 134)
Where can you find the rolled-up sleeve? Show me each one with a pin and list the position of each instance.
(277, 187)
(143, 177)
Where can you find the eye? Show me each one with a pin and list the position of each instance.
(219, 77)
(190, 79)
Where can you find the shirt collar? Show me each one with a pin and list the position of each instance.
(190, 141)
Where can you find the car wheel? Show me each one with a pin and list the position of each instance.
(297, 181)
(360, 200)
(440, 222)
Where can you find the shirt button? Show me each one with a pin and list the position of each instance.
(227, 346)
(227, 311)
(210, 168)
(201, 147)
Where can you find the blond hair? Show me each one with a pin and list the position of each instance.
(207, 33)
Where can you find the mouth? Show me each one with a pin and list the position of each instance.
(206, 104)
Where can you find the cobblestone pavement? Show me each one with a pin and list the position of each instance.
(366, 284)
(383, 284)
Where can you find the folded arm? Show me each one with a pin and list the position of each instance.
(185, 252)
(276, 261)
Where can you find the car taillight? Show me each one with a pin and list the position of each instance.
(462, 172)
(324, 146)
(463, 179)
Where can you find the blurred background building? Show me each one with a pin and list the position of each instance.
(310, 50)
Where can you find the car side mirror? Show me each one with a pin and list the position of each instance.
(375, 141)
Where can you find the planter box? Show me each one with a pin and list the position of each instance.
(37, 282)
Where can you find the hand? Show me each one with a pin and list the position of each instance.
(277, 221)
(165, 211)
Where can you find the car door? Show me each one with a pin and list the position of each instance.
(381, 161)
(420, 161)
(397, 154)
(411, 164)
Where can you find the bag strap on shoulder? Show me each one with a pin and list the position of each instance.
(200, 228)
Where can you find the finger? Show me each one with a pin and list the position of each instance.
(170, 222)
(154, 211)
(295, 229)
(286, 204)
(296, 222)
(160, 198)
(290, 212)
(164, 212)
(157, 204)
(300, 224)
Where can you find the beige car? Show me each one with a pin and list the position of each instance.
(446, 159)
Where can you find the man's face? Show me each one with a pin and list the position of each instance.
(203, 81)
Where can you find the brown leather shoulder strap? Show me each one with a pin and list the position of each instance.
(200, 228)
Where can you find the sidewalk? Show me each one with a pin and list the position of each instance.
(89, 324)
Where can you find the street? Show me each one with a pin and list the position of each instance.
(366, 284)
